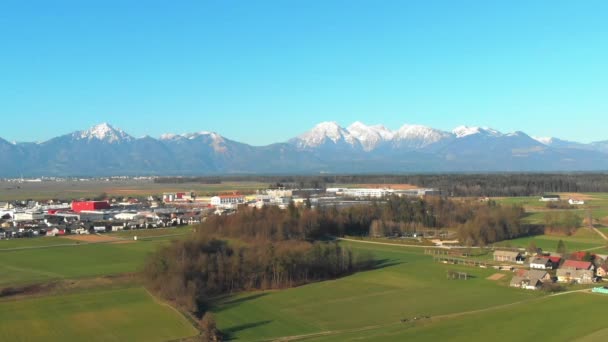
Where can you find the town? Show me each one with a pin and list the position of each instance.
(52, 217)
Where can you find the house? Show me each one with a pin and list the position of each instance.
(602, 271)
(549, 198)
(541, 263)
(577, 265)
(575, 276)
(530, 280)
(555, 260)
(507, 256)
(573, 201)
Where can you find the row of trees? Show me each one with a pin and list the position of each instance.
(479, 223)
(496, 184)
(190, 272)
(562, 222)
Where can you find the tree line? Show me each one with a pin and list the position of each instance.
(191, 272)
(492, 184)
(477, 223)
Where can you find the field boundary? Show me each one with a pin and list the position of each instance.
(117, 240)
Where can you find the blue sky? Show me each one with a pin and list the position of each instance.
(265, 71)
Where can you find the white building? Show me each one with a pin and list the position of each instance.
(366, 192)
(549, 198)
(573, 201)
(224, 200)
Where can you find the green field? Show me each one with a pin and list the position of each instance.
(409, 284)
(42, 241)
(535, 320)
(129, 314)
(88, 260)
(10, 191)
(580, 241)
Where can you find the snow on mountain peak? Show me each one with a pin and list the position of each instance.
(369, 136)
(418, 135)
(544, 140)
(323, 131)
(190, 136)
(463, 131)
(103, 132)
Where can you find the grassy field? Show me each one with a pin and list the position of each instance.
(42, 241)
(408, 284)
(44, 264)
(577, 242)
(129, 314)
(88, 189)
(536, 320)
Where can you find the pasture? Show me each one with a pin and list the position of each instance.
(534, 320)
(128, 314)
(25, 266)
(407, 283)
(583, 239)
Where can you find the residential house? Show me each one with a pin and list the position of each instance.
(602, 271)
(507, 256)
(530, 280)
(577, 265)
(541, 263)
(575, 276)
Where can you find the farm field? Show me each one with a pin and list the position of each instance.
(74, 261)
(42, 241)
(407, 284)
(578, 242)
(87, 189)
(499, 324)
(128, 314)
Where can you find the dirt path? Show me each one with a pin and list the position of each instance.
(600, 233)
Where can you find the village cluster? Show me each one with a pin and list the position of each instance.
(540, 269)
(21, 219)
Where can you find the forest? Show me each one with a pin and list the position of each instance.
(272, 248)
(192, 272)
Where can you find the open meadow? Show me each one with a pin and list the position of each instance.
(24, 261)
(407, 284)
(367, 305)
(127, 314)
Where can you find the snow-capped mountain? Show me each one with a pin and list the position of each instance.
(463, 131)
(370, 137)
(417, 136)
(560, 143)
(103, 132)
(325, 133)
(327, 147)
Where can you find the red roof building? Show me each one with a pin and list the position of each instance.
(577, 265)
(89, 205)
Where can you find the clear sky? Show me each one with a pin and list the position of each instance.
(265, 71)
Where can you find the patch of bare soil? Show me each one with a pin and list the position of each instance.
(576, 195)
(92, 238)
(496, 276)
(65, 286)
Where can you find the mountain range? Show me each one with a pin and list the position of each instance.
(327, 148)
